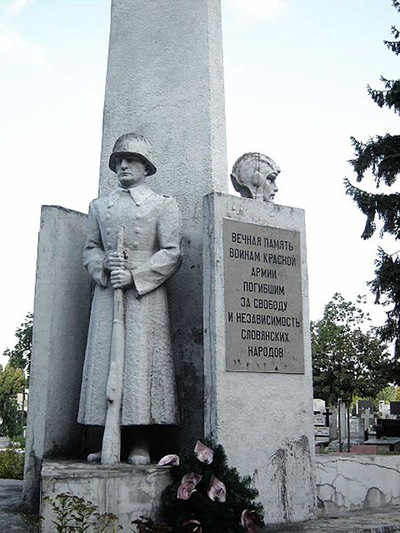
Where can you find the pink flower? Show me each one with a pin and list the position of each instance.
(191, 526)
(251, 521)
(169, 460)
(192, 478)
(203, 454)
(217, 490)
(185, 490)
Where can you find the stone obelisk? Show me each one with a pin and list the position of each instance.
(165, 81)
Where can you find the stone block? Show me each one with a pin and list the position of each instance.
(4, 442)
(262, 415)
(126, 491)
(61, 313)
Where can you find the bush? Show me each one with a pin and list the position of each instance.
(75, 514)
(12, 463)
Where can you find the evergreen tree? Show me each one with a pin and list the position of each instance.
(380, 156)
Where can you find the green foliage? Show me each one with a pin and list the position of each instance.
(391, 393)
(20, 355)
(394, 46)
(214, 516)
(12, 382)
(387, 394)
(347, 361)
(12, 463)
(380, 156)
(387, 283)
(75, 514)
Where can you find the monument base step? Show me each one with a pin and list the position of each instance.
(124, 490)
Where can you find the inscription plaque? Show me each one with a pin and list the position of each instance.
(263, 299)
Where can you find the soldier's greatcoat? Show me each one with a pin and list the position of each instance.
(152, 243)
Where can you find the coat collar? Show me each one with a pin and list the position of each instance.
(139, 194)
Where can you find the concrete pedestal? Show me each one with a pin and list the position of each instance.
(124, 490)
(259, 390)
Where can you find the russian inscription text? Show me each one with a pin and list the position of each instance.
(263, 305)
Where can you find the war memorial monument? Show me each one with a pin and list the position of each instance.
(190, 316)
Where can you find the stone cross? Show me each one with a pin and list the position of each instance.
(327, 414)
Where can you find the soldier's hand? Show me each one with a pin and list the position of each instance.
(121, 279)
(114, 261)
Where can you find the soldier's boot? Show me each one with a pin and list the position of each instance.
(140, 453)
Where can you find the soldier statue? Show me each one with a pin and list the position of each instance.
(254, 176)
(136, 268)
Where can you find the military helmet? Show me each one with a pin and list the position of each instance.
(133, 144)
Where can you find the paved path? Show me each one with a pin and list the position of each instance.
(382, 520)
(12, 519)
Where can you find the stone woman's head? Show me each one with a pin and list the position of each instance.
(253, 176)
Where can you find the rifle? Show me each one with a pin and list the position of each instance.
(111, 448)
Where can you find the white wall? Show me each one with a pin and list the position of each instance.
(349, 482)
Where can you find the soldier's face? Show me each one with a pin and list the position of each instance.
(131, 171)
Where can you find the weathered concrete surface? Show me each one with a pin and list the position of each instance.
(264, 420)
(61, 313)
(165, 81)
(126, 491)
(346, 482)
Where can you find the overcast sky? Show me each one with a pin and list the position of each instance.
(295, 79)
